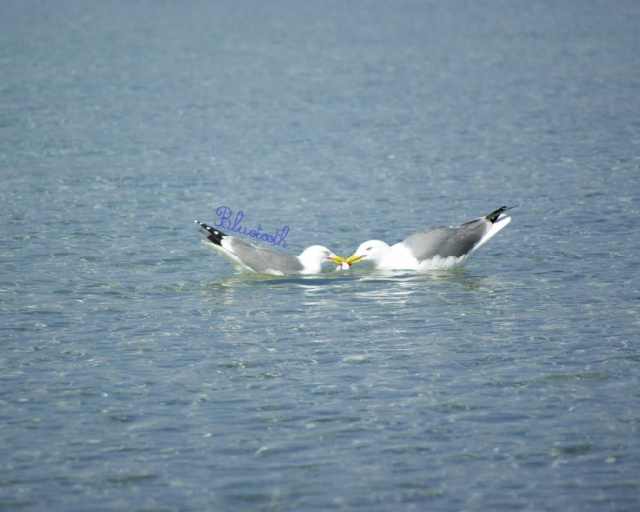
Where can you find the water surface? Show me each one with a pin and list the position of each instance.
(139, 372)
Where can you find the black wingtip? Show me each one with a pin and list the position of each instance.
(213, 235)
(493, 216)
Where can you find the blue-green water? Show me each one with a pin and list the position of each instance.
(139, 372)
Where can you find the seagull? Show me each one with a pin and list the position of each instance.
(437, 248)
(247, 257)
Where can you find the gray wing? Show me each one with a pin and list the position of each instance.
(261, 259)
(444, 242)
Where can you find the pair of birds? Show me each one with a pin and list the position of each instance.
(428, 249)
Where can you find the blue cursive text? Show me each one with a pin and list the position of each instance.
(225, 213)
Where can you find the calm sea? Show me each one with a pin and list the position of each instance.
(139, 372)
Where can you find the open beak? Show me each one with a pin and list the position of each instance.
(353, 259)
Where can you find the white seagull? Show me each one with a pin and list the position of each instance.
(247, 257)
(437, 248)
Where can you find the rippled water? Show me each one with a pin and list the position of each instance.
(139, 372)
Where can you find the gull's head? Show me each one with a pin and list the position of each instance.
(313, 257)
(371, 250)
(320, 254)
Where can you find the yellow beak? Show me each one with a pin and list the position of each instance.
(353, 259)
(337, 260)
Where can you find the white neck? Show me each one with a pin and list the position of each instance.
(311, 262)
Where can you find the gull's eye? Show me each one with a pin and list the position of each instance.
(369, 248)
